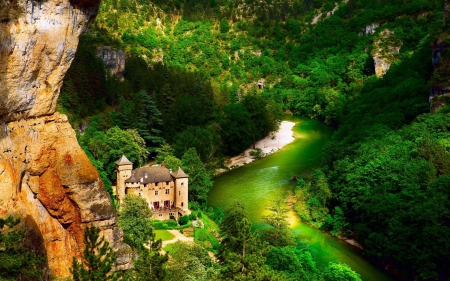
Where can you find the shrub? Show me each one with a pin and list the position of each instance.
(183, 220)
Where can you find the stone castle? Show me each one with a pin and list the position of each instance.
(165, 191)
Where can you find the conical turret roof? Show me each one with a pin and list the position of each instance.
(179, 174)
(123, 161)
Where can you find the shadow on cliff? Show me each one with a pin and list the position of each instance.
(34, 242)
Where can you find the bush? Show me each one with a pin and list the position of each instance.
(192, 217)
(183, 220)
(256, 153)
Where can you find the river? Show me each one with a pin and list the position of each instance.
(259, 182)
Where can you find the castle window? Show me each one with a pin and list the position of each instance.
(160, 215)
(156, 192)
(167, 183)
(156, 184)
(182, 204)
(167, 191)
(182, 183)
(179, 192)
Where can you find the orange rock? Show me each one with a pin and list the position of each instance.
(45, 177)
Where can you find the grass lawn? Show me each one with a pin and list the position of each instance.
(164, 235)
(168, 248)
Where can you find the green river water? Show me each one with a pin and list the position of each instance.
(257, 183)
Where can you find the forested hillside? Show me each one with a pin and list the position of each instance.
(217, 75)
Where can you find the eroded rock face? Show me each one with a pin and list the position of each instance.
(113, 59)
(386, 51)
(38, 40)
(45, 177)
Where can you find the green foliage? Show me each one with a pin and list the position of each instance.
(257, 153)
(16, 261)
(172, 163)
(335, 223)
(169, 224)
(199, 180)
(98, 258)
(191, 262)
(312, 198)
(241, 251)
(386, 163)
(107, 147)
(151, 263)
(340, 272)
(134, 219)
(279, 233)
(183, 220)
(224, 26)
(208, 236)
(296, 264)
(142, 114)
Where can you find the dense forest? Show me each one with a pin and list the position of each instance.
(204, 80)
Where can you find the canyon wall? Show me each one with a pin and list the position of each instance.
(45, 177)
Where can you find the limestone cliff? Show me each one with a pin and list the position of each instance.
(440, 81)
(45, 177)
(386, 51)
(113, 59)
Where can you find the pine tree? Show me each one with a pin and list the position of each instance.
(242, 252)
(98, 258)
(279, 233)
(199, 181)
(17, 262)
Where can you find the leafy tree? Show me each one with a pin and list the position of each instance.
(191, 262)
(134, 219)
(98, 258)
(172, 163)
(296, 264)
(123, 143)
(17, 262)
(340, 272)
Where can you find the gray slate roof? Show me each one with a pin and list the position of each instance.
(123, 161)
(179, 174)
(154, 174)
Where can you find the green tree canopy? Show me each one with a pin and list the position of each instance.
(134, 219)
(340, 272)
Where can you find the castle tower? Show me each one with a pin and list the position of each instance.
(181, 190)
(123, 169)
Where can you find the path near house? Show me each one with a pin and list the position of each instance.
(178, 237)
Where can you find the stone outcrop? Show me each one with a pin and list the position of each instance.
(386, 51)
(45, 177)
(369, 29)
(113, 59)
(440, 81)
